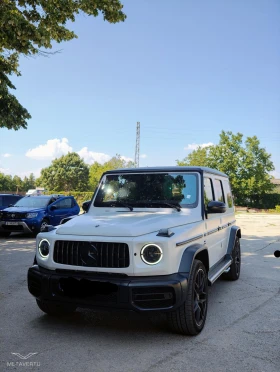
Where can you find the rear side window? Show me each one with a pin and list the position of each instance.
(65, 203)
(219, 193)
(6, 200)
(13, 199)
(228, 194)
(208, 191)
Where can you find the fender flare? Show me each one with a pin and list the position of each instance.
(189, 255)
(234, 231)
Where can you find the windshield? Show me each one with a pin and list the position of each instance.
(148, 190)
(32, 202)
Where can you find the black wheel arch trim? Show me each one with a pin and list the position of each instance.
(234, 231)
(189, 256)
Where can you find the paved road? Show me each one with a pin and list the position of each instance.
(242, 332)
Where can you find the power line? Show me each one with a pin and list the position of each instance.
(137, 146)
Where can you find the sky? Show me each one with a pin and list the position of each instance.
(185, 69)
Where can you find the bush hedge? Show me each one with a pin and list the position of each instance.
(265, 201)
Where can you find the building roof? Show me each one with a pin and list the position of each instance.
(167, 169)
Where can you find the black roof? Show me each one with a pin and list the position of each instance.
(167, 169)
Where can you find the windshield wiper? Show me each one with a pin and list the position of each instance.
(175, 206)
(122, 204)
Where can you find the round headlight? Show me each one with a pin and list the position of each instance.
(44, 248)
(151, 254)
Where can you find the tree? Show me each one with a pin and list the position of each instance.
(247, 165)
(29, 182)
(96, 169)
(6, 183)
(197, 157)
(67, 173)
(17, 183)
(26, 26)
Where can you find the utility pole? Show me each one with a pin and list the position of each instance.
(137, 147)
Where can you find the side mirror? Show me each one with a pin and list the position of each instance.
(216, 207)
(11, 205)
(53, 207)
(85, 205)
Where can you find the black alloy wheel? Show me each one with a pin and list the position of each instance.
(190, 317)
(200, 297)
(235, 267)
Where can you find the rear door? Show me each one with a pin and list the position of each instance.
(223, 226)
(228, 218)
(214, 235)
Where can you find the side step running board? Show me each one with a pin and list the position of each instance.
(213, 275)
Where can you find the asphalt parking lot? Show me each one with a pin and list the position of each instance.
(242, 331)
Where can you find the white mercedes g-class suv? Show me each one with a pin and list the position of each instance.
(151, 240)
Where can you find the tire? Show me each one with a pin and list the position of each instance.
(5, 234)
(190, 317)
(42, 224)
(235, 267)
(54, 309)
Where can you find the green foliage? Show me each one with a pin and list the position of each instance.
(69, 172)
(12, 114)
(247, 165)
(16, 184)
(197, 157)
(96, 169)
(29, 182)
(266, 201)
(28, 25)
(6, 183)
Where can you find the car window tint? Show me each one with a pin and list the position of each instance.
(12, 199)
(228, 194)
(208, 191)
(65, 203)
(219, 193)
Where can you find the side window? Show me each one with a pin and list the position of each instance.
(13, 199)
(228, 194)
(65, 203)
(219, 193)
(208, 191)
(9, 200)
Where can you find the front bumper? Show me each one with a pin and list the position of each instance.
(105, 290)
(17, 226)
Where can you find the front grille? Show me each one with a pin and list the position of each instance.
(153, 298)
(91, 254)
(13, 215)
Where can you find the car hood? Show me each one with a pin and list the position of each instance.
(22, 209)
(125, 224)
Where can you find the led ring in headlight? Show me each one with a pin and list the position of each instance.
(151, 254)
(44, 248)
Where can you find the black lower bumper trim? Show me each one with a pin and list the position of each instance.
(90, 290)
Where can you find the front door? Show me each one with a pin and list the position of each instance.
(63, 209)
